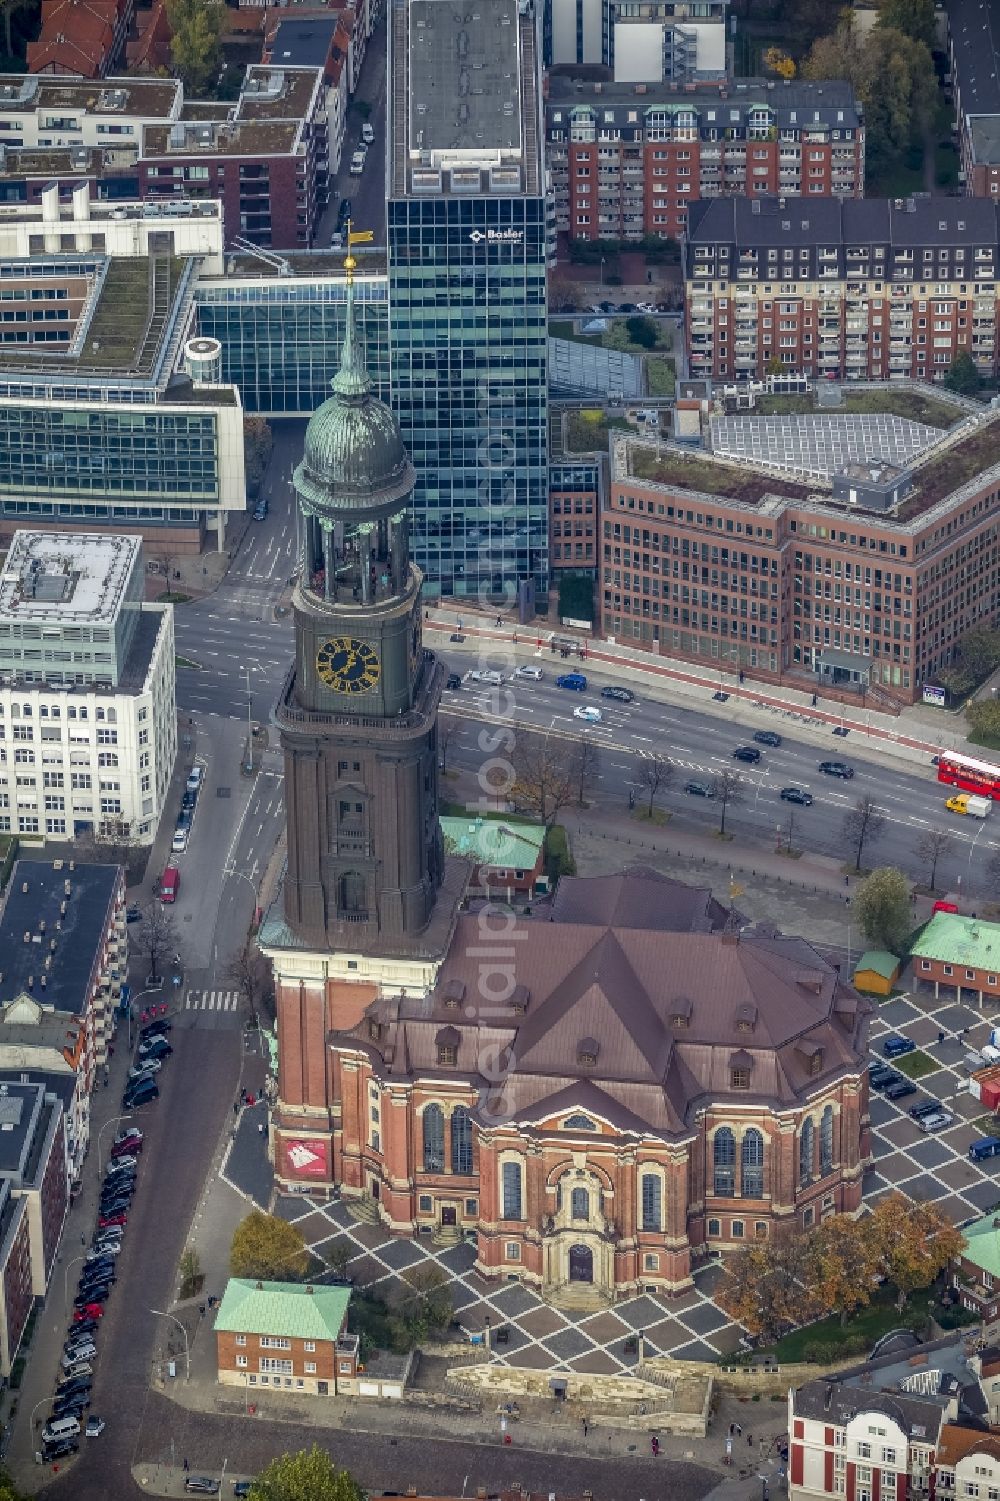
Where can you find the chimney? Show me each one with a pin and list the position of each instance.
(41, 926)
(27, 937)
(309, 1289)
(260, 1287)
(44, 982)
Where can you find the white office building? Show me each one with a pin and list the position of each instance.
(88, 732)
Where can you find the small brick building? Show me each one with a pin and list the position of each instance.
(286, 1335)
(960, 954)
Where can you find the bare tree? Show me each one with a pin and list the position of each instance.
(932, 845)
(586, 760)
(862, 825)
(447, 726)
(544, 776)
(155, 938)
(727, 788)
(248, 971)
(652, 771)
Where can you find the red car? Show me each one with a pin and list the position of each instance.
(127, 1147)
(89, 1311)
(121, 1218)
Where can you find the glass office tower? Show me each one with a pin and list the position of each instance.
(467, 299)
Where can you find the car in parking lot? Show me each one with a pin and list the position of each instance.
(895, 1047)
(699, 789)
(879, 1075)
(796, 795)
(242, 1487)
(201, 1485)
(926, 1107)
(939, 1121)
(837, 769)
(748, 753)
(58, 1449)
(621, 695)
(986, 1146)
(900, 1088)
(95, 1426)
(589, 713)
(454, 681)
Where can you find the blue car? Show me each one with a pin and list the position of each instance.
(895, 1047)
(575, 681)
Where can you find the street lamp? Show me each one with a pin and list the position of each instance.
(69, 1264)
(45, 1402)
(115, 1120)
(149, 990)
(187, 1348)
(972, 851)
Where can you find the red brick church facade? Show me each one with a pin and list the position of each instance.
(602, 1095)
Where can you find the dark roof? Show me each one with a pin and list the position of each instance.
(836, 1403)
(35, 896)
(304, 41)
(974, 26)
(622, 970)
(638, 898)
(62, 1085)
(800, 102)
(766, 222)
(23, 1115)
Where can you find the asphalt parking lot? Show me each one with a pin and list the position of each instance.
(936, 1167)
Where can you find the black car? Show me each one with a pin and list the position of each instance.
(621, 695)
(201, 1485)
(73, 1384)
(120, 1178)
(60, 1449)
(114, 1204)
(155, 1047)
(796, 795)
(454, 681)
(748, 753)
(141, 1096)
(189, 798)
(70, 1407)
(699, 789)
(767, 737)
(161, 1025)
(900, 1089)
(927, 1107)
(880, 1076)
(85, 1326)
(91, 1284)
(837, 769)
(133, 913)
(344, 212)
(98, 1295)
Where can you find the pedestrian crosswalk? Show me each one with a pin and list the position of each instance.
(212, 1000)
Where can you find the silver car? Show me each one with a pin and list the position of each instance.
(936, 1122)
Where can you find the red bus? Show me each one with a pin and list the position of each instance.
(970, 775)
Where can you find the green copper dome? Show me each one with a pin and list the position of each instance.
(353, 457)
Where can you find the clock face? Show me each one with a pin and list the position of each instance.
(348, 666)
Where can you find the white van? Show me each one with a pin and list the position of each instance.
(368, 134)
(60, 1428)
(357, 163)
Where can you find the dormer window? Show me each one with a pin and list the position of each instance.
(680, 1012)
(520, 996)
(453, 994)
(375, 1031)
(587, 1051)
(740, 1070)
(446, 1042)
(746, 1016)
(816, 1062)
(678, 1021)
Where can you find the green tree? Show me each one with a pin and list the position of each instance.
(641, 331)
(914, 18)
(10, 8)
(196, 26)
(258, 445)
(882, 905)
(962, 375)
(268, 1247)
(894, 78)
(983, 715)
(309, 1475)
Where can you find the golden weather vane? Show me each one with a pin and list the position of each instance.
(355, 237)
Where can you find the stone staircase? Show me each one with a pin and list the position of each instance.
(578, 1297)
(446, 1235)
(364, 1210)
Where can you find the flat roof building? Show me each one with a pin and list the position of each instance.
(467, 289)
(87, 683)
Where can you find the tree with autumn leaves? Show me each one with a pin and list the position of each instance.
(796, 1277)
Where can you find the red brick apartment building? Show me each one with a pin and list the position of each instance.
(628, 159)
(859, 289)
(736, 566)
(576, 484)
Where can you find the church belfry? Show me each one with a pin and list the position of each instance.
(358, 714)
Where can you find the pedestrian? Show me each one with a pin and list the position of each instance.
(186, 1467)
(749, 1440)
(83, 1240)
(732, 1429)
(236, 1107)
(262, 1128)
(585, 1427)
(940, 1037)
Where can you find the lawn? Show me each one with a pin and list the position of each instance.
(587, 430)
(826, 1340)
(913, 404)
(916, 1065)
(661, 376)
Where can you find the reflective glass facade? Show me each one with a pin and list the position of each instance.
(467, 338)
(281, 339)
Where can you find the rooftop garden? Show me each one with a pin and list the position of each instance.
(678, 470)
(586, 430)
(932, 410)
(952, 469)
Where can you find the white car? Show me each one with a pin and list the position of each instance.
(645, 307)
(195, 778)
(145, 1068)
(532, 674)
(179, 842)
(587, 712)
(484, 675)
(121, 1165)
(95, 1426)
(357, 163)
(939, 1121)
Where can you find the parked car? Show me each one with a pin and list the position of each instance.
(99, 1279)
(179, 842)
(58, 1449)
(184, 819)
(699, 789)
(837, 769)
(125, 1162)
(986, 1146)
(368, 133)
(113, 1219)
(129, 1142)
(796, 795)
(95, 1426)
(152, 1029)
(56, 1430)
(621, 695)
(71, 1407)
(589, 713)
(900, 1088)
(155, 1047)
(939, 1121)
(76, 1361)
(895, 1047)
(195, 778)
(242, 1487)
(86, 1326)
(70, 1384)
(767, 737)
(139, 1092)
(144, 1069)
(133, 913)
(201, 1485)
(188, 799)
(748, 753)
(344, 212)
(91, 1300)
(880, 1076)
(926, 1107)
(454, 681)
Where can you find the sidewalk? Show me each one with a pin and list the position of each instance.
(915, 735)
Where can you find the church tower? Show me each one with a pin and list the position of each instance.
(368, 904)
